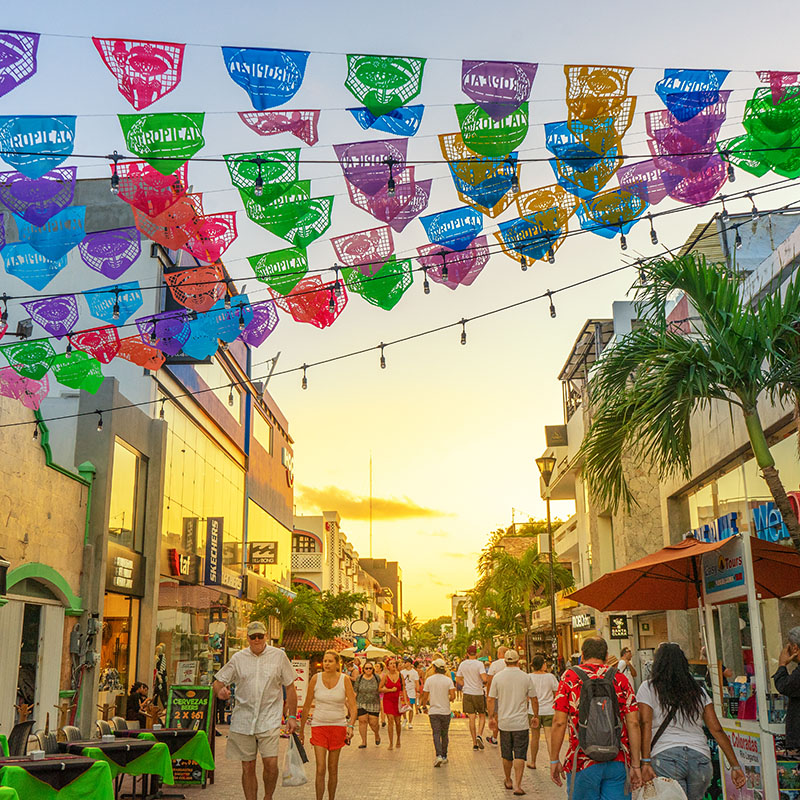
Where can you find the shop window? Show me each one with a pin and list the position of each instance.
(222, 387)
(118, 648)
(128, 475)
(303, 544)
(27, 674)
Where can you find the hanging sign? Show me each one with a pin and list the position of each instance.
(618, 626)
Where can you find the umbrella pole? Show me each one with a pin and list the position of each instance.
(701, 617)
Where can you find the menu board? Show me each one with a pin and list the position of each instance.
(747, 747)
(190, 707)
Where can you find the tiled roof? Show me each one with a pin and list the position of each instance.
(297, 642)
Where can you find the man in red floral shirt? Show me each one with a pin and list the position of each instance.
(595, 780)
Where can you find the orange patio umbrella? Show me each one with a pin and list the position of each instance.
(671, 579)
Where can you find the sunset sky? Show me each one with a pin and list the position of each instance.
(452, 430)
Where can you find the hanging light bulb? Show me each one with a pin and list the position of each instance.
(4, 314)
(99, 419)
(68, 351)
(642, 275)
(552, 305)
(258, 187)
(463, 331)
(731, 173)
(551, 256)
(230, 397)
(115, 310)
(653, 234)
(153, 337)
(337, 287)
(332, 302)
(390, 184)
(753, 210)
(304, 382)
(241, 318)
(737, 241)
(514, 177)
(623, 242)
(228, 292)
(35, 430)
(383, 358)
(115, 157)
(523, 263)
(724, 213)
(445, 270)
(161, 411)
(426, 287)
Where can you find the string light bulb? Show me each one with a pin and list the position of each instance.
(114, 157)
(230, 397)
(383, 357)
(523, 263)
(552, 305)
(304, 382)
(390, 184)
(731, 173)
(753, 210)
(337, 286)
(724, 213)
(426, 287)
(161, 411)
(737, 241)
(551, 255)
(241, 318)
(623, 242)
(258, 186)
(332, 302)
(445, 270)
(642, 275)
(514, 177)
(153, 337)
(463, 331)
(228, 293)
(115, 310)
(653, 234)
(68, 351)
(35, 431)
(99, 419)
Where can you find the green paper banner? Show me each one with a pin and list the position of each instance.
(30, 359)
(78, 371)
(281, 270)
(280, 208)
(301, 222)
(279, 169)
(165, 141)
(384, 83)
(492, 137)
(385, 288)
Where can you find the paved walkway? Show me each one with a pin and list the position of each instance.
(379, 774)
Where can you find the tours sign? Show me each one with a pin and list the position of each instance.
(723, 573)
(191, 708)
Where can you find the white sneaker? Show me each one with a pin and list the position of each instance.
(444, 759)
(439, 761)
(410, 727)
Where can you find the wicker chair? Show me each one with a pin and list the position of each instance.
(18, 738)
(71, 733)
(103, 728)
(119, 724)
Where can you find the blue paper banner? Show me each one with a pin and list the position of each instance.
(489, 191)
(270, 77)
(101, 302)
(224, 323)
(455, 229)
(58, 235)
(403, 121)
(686, 92)
(528, 238)
(30, 266)
(23, 137)
(611, 213)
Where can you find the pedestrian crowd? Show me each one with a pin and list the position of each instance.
(616, 738)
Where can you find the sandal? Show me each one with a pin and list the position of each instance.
(363, 746)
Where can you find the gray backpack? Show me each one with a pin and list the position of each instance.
(599, 722)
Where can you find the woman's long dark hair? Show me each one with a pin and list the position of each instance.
(674, 685)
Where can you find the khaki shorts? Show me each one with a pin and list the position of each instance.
(473, 704)
(545, 721)
(245, 747)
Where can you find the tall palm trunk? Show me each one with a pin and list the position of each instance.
(766, 463)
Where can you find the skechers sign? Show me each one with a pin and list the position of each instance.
(213, 576)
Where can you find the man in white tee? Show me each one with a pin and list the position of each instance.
(508, 704)
(438, 692)
(498, 664)
(411, 682)
(471, 677)
(625, 664)
(260, 673)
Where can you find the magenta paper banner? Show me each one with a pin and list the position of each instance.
(366, 250)
(498, 87)
(463, 266)
(409, 200)
(301, 124)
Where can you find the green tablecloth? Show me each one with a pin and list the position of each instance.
(4, 744)
(7, 793)
(95, 783)
(196, 749)
(156, 761)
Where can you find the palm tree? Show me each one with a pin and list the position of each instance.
(409, 623)
(300, 613)
(647, 386)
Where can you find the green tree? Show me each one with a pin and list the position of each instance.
(337, 609)
(647, 386)
(300, 613)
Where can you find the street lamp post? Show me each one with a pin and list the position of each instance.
(546, 465)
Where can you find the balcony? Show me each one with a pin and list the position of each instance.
(306, 562)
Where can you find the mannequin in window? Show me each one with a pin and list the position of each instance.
(160, 675)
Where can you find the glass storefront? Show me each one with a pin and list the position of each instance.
(118, 646)
(263, 527)
(124, 514)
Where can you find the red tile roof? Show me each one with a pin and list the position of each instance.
(296, 642)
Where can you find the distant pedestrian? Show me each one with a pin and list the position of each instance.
(509, 695)
(471, 678)
(676, 706)
(625, 665)
(355, 670)
(545, 685)
(590, 690)
(495, 667)
(368, 703)
(394, 696)
(380, 667)
(421, 676)
(330, 692)
(412, 687)
(439, 691)
(261, 673)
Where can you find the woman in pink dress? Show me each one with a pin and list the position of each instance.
(394, 695)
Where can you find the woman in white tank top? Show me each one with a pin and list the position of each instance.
(331, 694)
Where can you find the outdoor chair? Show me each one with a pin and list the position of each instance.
(47, 742)
(103, 728)
(18, 738)
(71, 733)
(119, 724)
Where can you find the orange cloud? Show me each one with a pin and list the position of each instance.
(355, 507)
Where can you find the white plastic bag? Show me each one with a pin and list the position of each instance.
(660, 789)
(294, 773)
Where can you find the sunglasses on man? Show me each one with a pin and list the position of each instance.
(256, 636)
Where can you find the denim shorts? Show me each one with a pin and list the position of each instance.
(692, 769)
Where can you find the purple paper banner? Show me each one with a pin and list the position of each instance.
(644, 180)
(111, 253)
(264, 322)
(365, 250)
(17, 58)
(498, 87)
(408, 201)
(463, 266)
(364, 163)
(167, 331)
(36, 200)
(57, 315)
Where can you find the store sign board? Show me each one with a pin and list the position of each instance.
(302, 667)
(189, 707)
(231, 579)
(618, 626)
(263, 553)
(747, 747)
(186, 672)
(124, 571)
(723, 573)
(189, 534)
(183, 566)
(213, 571)
(582, 622)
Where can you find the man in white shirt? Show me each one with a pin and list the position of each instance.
(498, 664)
(508, 705)
(260, 673)
(471, 677)
(411, 682)
(439, 691)
(625, 664)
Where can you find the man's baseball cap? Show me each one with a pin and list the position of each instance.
(439, 662)
(511, 656)
(472, 650)
(256, 627)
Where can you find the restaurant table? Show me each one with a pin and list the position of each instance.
(183, 743)
(56, 777)
(4, 745)
(127, 757)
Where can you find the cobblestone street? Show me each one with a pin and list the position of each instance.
(377, 773)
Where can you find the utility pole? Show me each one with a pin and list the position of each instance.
(546, 465)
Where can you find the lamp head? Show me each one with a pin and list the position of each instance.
(546, 465)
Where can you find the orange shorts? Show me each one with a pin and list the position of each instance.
(331, 737)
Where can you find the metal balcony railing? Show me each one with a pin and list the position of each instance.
(306, 562)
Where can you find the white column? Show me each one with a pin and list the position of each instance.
(11, 636)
